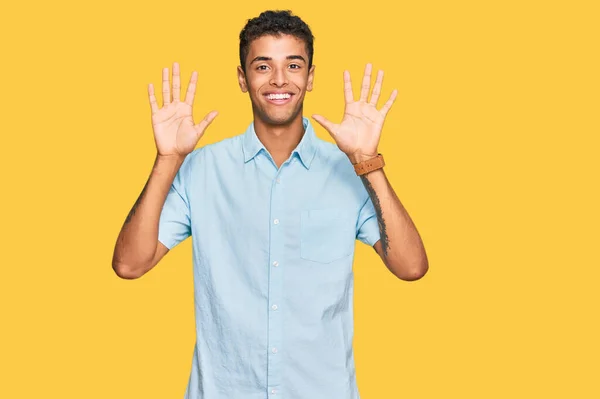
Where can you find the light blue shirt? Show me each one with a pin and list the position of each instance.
(272, 266)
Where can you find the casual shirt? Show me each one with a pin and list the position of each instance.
(272, 256)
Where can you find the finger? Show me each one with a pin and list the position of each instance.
(200, 127)
(176, 82)
(166, 88)
(191, 91)
(376, 89)
(348, 88)
(386, 107)
(327, 124)
(153, 104)
(366, 83)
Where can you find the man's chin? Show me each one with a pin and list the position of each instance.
(276, 116)
(279, 119)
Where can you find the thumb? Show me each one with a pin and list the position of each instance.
(200, 127)
(326, 123)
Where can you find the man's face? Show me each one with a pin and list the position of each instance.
(277, 77)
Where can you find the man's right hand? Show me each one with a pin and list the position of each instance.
(175, 133)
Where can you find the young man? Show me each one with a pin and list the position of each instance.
(273, 214)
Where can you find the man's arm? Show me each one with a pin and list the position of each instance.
(400, 246)
(358, 135)
(137, 249)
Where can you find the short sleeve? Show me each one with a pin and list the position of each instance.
(174, 225)
(367, 226)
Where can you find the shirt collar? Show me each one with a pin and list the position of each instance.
(305, 149)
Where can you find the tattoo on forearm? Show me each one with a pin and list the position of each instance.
(377, 205)
(133, 209)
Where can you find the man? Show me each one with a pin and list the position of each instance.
(273, 214)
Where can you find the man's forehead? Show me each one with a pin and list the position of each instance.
(276, 47)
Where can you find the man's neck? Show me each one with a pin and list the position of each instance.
(280, 140)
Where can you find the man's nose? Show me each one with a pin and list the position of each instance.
(279, 78)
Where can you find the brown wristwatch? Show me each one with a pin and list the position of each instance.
(369, 165)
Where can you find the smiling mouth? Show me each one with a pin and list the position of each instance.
(279, 98)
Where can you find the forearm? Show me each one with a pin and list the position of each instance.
(402, 247)
(136, 244)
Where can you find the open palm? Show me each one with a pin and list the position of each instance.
(360, 129)
(174, 130)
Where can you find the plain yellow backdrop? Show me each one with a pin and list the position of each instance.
(492, 146)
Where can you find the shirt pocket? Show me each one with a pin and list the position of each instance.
(326, 235)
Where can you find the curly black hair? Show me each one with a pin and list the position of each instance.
(276, 23)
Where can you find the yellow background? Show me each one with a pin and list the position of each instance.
(492, 146)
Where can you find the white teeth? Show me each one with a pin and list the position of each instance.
(278, 96)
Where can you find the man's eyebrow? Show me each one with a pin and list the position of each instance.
(289, 57)
(259, 58)
(295, 57)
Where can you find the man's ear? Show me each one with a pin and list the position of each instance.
(242, 79)
(311, 76)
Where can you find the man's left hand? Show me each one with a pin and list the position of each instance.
(358, 134)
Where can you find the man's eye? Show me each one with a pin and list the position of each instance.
(296, 66)
(262, 67)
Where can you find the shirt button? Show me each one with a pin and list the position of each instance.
(276, 221)
(275, 263)
(274, 350)
(278, 180)
(273, 391)
(274, 307)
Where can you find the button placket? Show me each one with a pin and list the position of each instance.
(274, 341)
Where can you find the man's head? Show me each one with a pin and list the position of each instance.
(276, 51)
(275, 23)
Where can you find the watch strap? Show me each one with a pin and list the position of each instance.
(369, 165)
